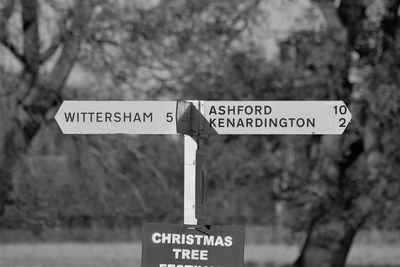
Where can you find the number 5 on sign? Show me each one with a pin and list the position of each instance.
(170, 116)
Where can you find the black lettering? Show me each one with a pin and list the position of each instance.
(248, 110)
(231, 110)
(310, 122)
(283, 122)
(69, 117)
(212, 110)
(257, 110)
(137, 117)
(221, 110)
(249, 122)
(291, 121)
(91, 116)
(240, 123)
(239, 109)
(300, 122)
(84, 116)
(127, 116)
(212, 123)
(221, 123)
(148, 116)
(273, 122)
(267, 110)
(117, 116)
(98, 117)
(230, 122)
(108, 116)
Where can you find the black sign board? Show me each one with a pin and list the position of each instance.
(177, 245)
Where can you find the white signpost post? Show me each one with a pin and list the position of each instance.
(199, 119)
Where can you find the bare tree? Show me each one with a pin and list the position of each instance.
(37, 92)
(349, 170)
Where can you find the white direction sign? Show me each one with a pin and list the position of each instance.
(113, 117)
(223, 117)
(277, 117)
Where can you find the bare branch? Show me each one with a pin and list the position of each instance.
(329, 9)
(30, 27)
(147, 161)
(13, 49)
(96, 151)
(5, 14)
(390, 23)
(106, 41)
(57, 40)
(69, 53)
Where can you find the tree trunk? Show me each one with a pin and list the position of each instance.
(337, 219)
(347, 201)
(335, 216)
(15, 142)
(36, 94)
(327, 244)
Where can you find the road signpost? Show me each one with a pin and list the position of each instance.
(197, 120)
(203, 118)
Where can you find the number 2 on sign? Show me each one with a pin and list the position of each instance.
(342, 110)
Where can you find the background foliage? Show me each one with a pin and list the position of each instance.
(327, 187)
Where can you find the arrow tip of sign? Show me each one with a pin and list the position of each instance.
(57, 116)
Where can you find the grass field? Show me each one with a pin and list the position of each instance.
(128, 254)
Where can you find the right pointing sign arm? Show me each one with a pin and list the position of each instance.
(277, 117)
